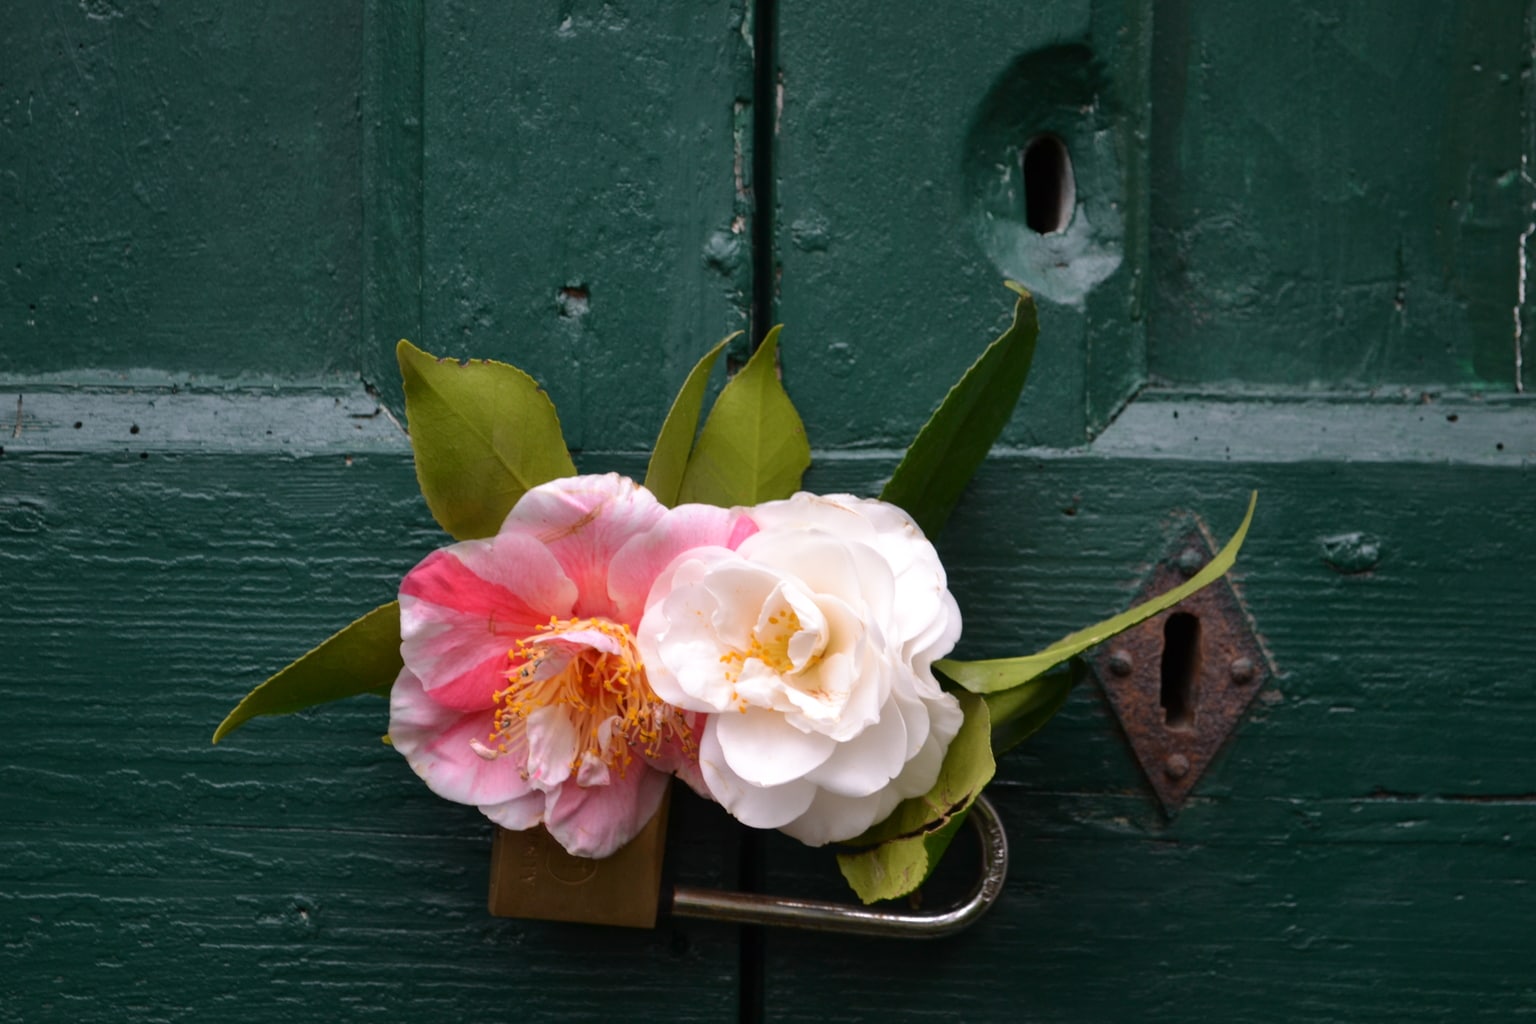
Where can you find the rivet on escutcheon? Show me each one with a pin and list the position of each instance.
(1177, 766)
(1120, 663)
(1241, 670)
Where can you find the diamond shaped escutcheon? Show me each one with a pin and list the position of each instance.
(1181, 681)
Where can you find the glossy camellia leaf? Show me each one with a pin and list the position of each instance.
(483, 433)
(956, 438)
(1020, 712)
(362, 658)
(1003, 673)
(664, 475)
(905, 848)
(752, 448)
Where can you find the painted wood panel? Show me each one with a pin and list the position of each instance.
(1360, 851)
(179, 191)
(1345, 189)
(228, 490)
(586, 203)
(569, 187)
(299, 870)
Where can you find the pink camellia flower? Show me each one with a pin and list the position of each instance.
(523, 692)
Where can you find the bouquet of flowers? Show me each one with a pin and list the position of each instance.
(587, 637)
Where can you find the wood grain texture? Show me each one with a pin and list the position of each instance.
(196, 206)
(180, 189)
(299, 870)
(1362, 849)
(1345, 187)
(586, 198)
(900, 208)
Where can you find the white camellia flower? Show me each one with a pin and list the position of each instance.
(811, 647)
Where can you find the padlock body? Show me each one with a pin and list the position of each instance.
(533, 877)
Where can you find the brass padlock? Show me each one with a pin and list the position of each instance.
(533, 877)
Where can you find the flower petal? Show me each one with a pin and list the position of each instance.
(763, 749)
(754, 806)
(583, 521)
(869, 761)
(678, 647)
(508, 575)
(644, 556)
(832, 818)
(519, 813)
(437, 742)
(551, 746)
(465, 606)
(596, 821)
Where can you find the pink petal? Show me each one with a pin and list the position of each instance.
(518, 813)
(583, 521)
(437, 743)
(572, 641)
(596, 821)
(509, 576)
(464, 607)
(639, 562)
(461, 659)
(682, 760)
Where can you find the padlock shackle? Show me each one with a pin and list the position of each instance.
(823, 916)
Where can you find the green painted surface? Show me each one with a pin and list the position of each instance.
(179, 189)
(1312, 198)
(586, 176)
(1362, 850)
(1353, 206)
(176, 530)
(900, 208)
(299, 870)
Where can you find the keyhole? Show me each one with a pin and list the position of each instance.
(1181, 667)
(1050, 191)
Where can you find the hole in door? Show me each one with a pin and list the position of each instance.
(1180, 669)
(1050, 190)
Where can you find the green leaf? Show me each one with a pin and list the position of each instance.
(483, 434)
(906, 847)
(362, 658)
(752, 448)
(664, 475)
(1003, 673)
(952, 444)
(1020, 712)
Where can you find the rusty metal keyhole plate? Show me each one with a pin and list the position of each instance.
(1181, 681)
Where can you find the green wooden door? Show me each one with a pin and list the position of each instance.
(1293, 259)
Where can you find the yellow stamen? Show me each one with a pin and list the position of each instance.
(770, 647)
(606, 697)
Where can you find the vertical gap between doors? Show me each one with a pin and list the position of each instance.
(764, 16)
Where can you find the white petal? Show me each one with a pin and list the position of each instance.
(754, 806)
(551, 746)
(922, 770)
(869, 761)
(740, 590)
(831, 818)
(765, 750)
